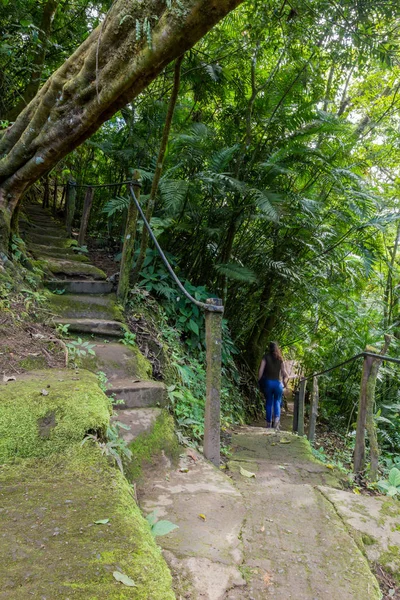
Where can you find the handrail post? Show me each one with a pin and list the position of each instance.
(302, 395)
(70, 203)
(295, 425)
(129, 242)
(314, 410)
(87, 205)
(359, 449)
(211, 444)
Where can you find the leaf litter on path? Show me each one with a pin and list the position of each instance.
(268, 579)
(245, 473)
(102, 522)
(122, 578)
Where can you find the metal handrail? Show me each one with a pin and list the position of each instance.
(205, 306)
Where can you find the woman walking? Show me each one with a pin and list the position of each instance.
(270, 374)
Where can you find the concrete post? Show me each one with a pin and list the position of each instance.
(314, 410)
(87, 205)
(129, 242)
(213, 398)
(302, 395)
(70, 205)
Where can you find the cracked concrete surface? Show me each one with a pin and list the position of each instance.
(206, 549)
(276, 535)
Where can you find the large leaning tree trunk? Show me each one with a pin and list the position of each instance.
(110, 68)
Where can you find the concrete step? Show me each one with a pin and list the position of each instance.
(120, 362)
(137, 394)
(48, 240)
(47, 252)
(36, 209)
(81, 286)
(56, 250)
(96, 326)
(84, 306)
(26, 219)
(139, 420)
(43, 230)
(74, 269)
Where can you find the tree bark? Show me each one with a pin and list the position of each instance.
(109, 69)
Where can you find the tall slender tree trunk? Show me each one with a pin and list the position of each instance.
(109, 69)
(159, 167)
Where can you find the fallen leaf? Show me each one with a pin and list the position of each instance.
(184, 470)
(356, 491)
(122, 578)
(191, 454)
(102, 522)
(273, 444)
(284, 441)
(281, 467)
(330, 467)
(246, 473)
(203, 517)
(44, 392)
(6, 378)
(163, 528)
(262, 529)
(267, 579)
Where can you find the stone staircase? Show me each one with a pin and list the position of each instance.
(86, 302)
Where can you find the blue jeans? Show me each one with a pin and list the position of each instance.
(273, 390)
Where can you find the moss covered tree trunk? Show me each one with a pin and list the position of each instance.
(110, 68)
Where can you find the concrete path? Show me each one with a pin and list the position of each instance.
(275, 535)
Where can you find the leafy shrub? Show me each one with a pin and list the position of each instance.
(391, 486)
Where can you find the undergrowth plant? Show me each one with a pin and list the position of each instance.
(113, 445)
(182, 331)
(391, 485)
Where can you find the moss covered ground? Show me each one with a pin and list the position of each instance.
(52, 548)
(148, 446)
(46, 411)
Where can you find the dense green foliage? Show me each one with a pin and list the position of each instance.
(279, 191)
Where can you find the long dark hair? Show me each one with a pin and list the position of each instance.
(275, 351)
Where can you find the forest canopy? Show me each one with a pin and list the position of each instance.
(279, 186)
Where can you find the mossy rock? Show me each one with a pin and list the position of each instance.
(51, 547)
(44, 412)
(148, 446)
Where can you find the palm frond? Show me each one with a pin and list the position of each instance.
(236, 271)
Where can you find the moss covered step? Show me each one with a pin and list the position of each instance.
(49, 240)
(47, 252)
(55, 250)
(139, 421)
(28, 220)
(84, 306)
(44, 412)
(118, 361)
(80, 286)
(73, 268)
(137, 394)
(43, 229)
(96, 326)
(51, 546)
